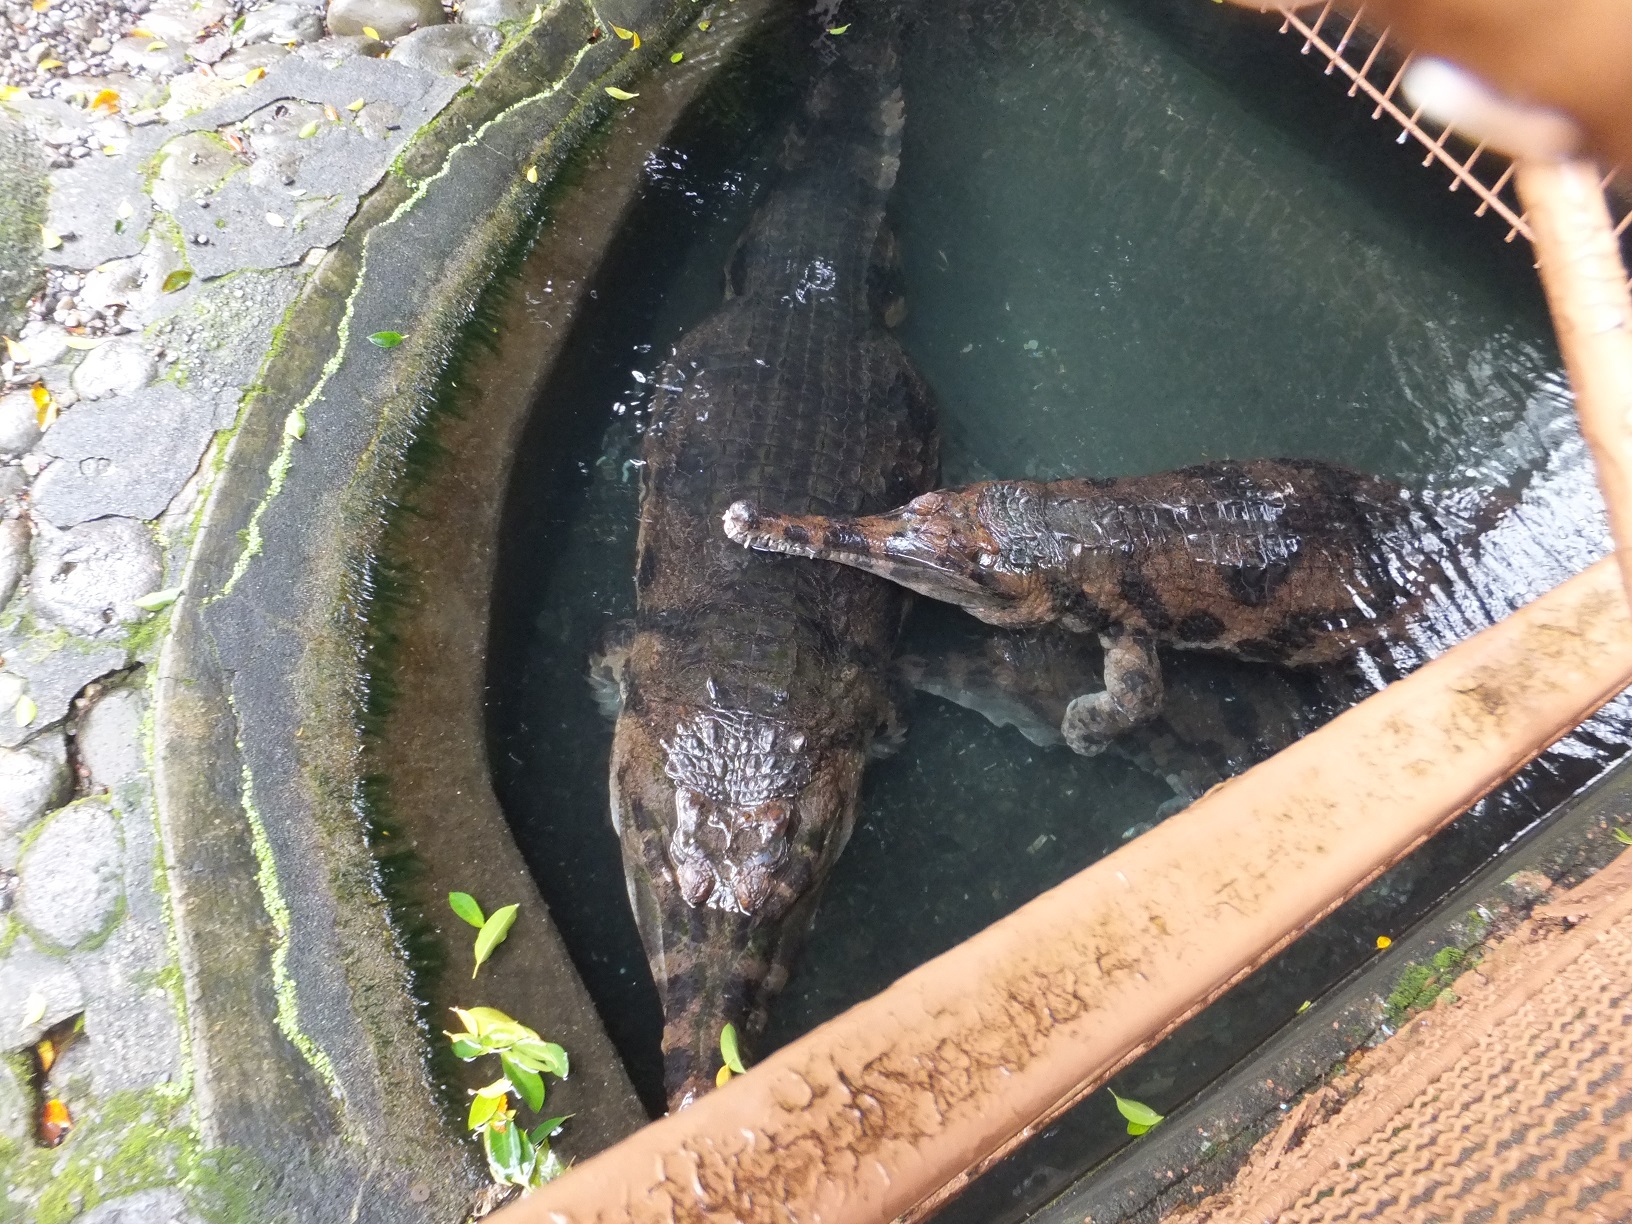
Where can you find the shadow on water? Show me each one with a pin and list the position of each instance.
(1135, 237)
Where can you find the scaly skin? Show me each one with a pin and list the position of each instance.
(1284, 561)
(753, 685)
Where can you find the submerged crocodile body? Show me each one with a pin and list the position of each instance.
(1284, 561)
(753, 686)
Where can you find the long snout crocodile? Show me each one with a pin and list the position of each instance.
(753, 686)
(1296, 562)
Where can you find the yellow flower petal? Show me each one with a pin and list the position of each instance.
(1383, 941)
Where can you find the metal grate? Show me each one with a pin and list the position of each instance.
(1374, 68)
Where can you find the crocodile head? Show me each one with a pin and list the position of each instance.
(956, 545)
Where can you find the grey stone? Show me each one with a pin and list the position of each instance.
(131, 1041)
(492, 12)
(342, 46)
(111, 284)
(15, 1122)
(390, 19)
(73, 875)
(87, 579)
(19, 422)
(110, 738)
(85, 199)
(128, 456)
(14, 535)
(449, 49)
(326, 174)
(27, 978)
(33, 779)
(46, 343)
(13, 482)
(282, 23)
(51, 671)
(192, 163)
(116, 368)
(143, 1207)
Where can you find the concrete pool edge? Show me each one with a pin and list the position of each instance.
(308, 1050)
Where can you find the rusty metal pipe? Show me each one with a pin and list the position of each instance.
(1580, 262)
(878, 1111)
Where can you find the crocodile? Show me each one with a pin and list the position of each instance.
(1296, 562)
(753, 687)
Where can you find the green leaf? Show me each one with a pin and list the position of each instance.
(1622, 836)
(465, 906)
(545, 1054)
(729, 1051)
(155, 600)
(1137, 1113)
(466, 1049)
(177, 280)
(837, 29)
(385, 339)
(622, 95)
(547, 1129)
(677, 57)
(481, 1109)
(307, 132)
(294, 425)
(526, 1081)
(506, 1148)
(492, 934)
(1135, 1129)
(483, 1020)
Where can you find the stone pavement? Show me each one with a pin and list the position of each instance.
(1507, 1099)
(170, 177)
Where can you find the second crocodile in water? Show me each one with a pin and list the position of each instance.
(1282, 561)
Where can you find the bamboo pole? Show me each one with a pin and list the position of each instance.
(1581, 270)
(887, 1108)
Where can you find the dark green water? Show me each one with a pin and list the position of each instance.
(1136, 236)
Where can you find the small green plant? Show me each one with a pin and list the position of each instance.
(730, 1055)
(1622, 836)
(1419, 985)
(515, 1156)
(490, 930)
(1140, 1117)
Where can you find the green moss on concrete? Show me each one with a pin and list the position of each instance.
(131, 1141)
(1419, 985)
(22, 209)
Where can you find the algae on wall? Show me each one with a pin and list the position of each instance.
(22, 208)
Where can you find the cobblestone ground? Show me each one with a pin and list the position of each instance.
(199, 157)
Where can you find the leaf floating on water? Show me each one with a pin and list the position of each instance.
(294, 425)
(622, 95)
(836, 30)
(729, 1050)
(34, 1010)
(156, 600)
(1137, 1113)
(307, 132)
(49, 238)
(677, 57)
(466, 907)
(385, 339)
(25, 711)
(492, 934)
(532, 174)
(355, 106)
(177, 280)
